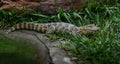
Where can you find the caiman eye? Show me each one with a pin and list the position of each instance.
(90, 26)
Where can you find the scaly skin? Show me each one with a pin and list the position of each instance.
(55, 27)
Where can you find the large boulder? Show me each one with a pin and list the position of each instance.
(48, 51)
(42, 55)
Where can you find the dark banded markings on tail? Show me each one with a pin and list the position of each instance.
(44, 28)
(31, 26)
(12, 29)
(35, 27)
(26, 26)
(39, 27)
(17, 26)
(22, 25)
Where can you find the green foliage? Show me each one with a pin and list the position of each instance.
(99, 3)
(8, 18)
(103, 46)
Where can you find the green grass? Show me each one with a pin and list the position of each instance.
(15, 52)
(101, 47)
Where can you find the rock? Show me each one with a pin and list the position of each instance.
(59, 56)
(47, 51)
(42, 55)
